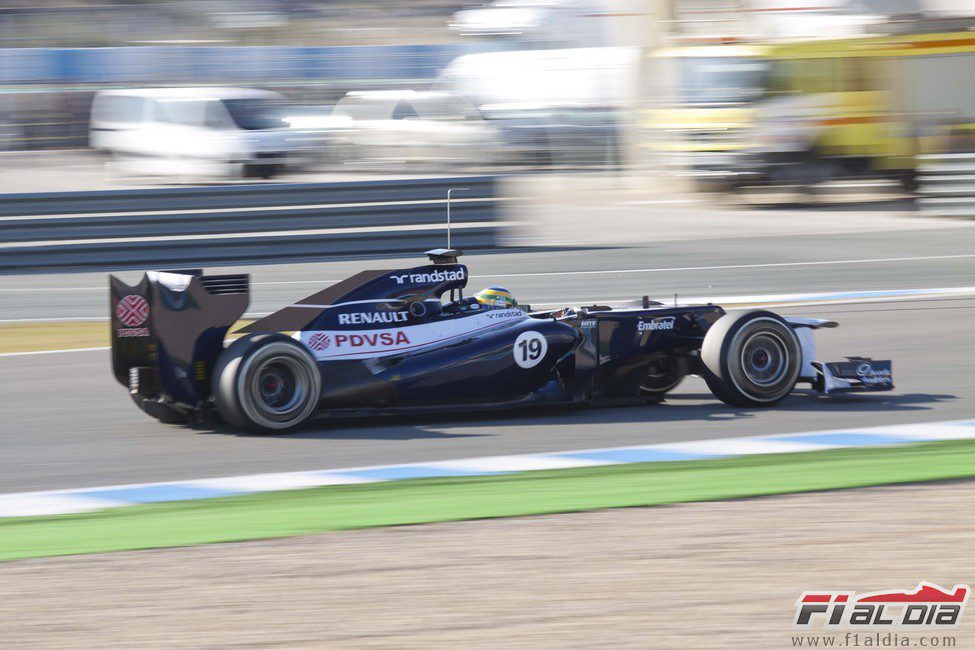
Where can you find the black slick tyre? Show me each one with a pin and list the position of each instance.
(751, 358)
(266, 383)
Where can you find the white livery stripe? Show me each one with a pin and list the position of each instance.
(362, 343)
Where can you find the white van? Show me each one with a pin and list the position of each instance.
(415, 126)
(192, 131)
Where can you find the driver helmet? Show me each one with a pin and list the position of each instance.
(496, 297)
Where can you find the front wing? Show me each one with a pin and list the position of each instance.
(831, 377)
(854, 374)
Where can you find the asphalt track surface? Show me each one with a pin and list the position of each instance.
(67, 424)
(803, 261)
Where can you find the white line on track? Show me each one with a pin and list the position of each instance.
(65, 319)
(796, 299)
(45, 289)
(672, 269)
(725, 267)
(24, 354)
(677, 269)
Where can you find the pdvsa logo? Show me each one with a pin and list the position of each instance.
(926, 606)
(319, 341)
(381, 340)
(132, 310)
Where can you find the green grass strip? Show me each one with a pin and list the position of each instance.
(279, 514)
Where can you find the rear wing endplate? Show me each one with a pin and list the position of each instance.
(168, 330)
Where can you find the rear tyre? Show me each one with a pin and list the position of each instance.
(751, 358)
(267, 383)
(663, 375)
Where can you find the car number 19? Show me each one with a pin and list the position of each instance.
(530, 348)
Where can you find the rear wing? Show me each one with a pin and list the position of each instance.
(168, 330)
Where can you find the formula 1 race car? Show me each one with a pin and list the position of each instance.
(391, 342)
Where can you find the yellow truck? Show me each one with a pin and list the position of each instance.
(801, 112)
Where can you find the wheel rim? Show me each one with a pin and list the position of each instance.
(764, 359)
(278, 388)
(763, 362)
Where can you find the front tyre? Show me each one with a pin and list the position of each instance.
(267, 383)
(751, 358)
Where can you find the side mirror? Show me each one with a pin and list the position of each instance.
(425, 308)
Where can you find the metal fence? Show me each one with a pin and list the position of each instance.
(169, 228)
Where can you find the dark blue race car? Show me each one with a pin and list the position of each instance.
(394, 341)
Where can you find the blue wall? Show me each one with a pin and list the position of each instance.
(182, 64)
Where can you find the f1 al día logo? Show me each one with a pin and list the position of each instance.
(927, 606)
